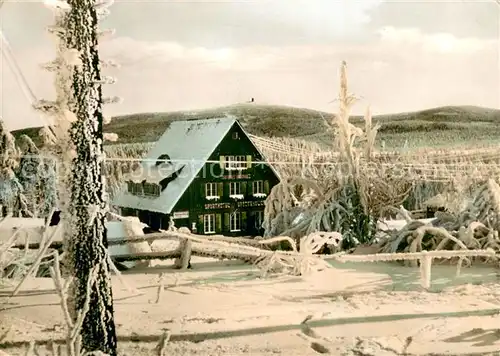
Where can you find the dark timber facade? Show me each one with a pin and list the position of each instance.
(222, 194)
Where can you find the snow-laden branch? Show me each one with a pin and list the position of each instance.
(112, 100)
(47, 107)
(106, 32)
(102, 13)
(52, 66)
(56, 30)
(70, 57)
(109, 63)
(57, 5)
(104, 4)
(106, 80)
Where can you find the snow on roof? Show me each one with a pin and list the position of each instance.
(192, 142)
(154, 174)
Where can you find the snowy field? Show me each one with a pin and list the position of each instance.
(223, 308)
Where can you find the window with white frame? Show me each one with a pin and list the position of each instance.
(258, 187)
(235, 222)
(235, 188)
(259, 219)
(235, 162)
(209, 223)
(211, 190)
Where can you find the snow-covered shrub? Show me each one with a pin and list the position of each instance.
(335, 200)
(11, 190)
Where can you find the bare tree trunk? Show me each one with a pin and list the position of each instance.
(87, 245)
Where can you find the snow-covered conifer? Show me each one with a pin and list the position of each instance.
(88, 244)
(11, 191)
(48, 181)
(78, 127)
(28, 174)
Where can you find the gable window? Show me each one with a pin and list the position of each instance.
(235, 222)
(152, 190)
(235, 162)
(135, 188)
(146, 189)
(209, 223)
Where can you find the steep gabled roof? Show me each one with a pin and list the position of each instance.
(189, 144)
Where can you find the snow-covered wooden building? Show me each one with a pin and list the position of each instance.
(206, 175)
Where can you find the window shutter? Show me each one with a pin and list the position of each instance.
(218, 223)
(266, 187)
(202, 190)
(249, 161)
(220, 189)
(226, 188)
(244, 188)
(250, 188)
(244, 221)
(201, 225)
(222, 161)
(226, 222)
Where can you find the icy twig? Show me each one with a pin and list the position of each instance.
(161, 348)
(120, 276)
(161, 287)
(61, 288)
(38, 259)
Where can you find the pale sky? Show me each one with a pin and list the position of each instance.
(187, 55)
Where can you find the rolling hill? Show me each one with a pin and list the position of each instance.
(441, 126)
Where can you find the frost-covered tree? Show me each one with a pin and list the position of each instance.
(48, 180)
(48, 174)
(28, 174)
(11, 191)
(79, 102)
(87, 247)
(335, 198)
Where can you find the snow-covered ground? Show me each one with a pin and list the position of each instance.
(227, 310)
(16, 223)
(224, 308)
